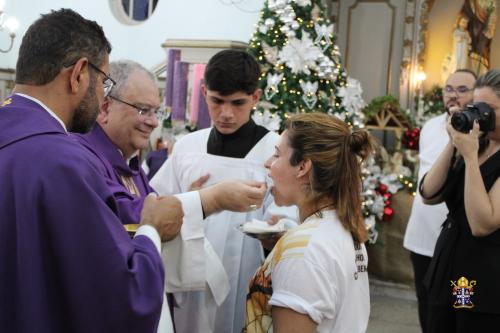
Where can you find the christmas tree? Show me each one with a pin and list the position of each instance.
(301, 68)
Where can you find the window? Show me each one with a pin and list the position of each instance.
(133, 11)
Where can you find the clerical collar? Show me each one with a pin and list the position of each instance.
(135, 155)
(237, 144)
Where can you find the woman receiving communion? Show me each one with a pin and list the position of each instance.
(315, 279)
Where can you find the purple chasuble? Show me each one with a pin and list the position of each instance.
(66, 262)
(127, 182)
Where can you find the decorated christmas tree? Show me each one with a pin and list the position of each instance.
(301, 67)
(302, 72)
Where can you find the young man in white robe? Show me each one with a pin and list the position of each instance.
(234, 148)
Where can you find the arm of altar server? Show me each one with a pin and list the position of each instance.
(184, 256)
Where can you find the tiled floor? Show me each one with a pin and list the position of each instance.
(393, 309)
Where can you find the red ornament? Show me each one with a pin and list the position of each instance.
(382, 188)
(410, 138)
(388, 213)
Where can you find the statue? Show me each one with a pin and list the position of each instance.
(482, 18)
(461, 45)
(474, 30)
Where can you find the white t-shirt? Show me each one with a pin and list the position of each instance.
(315, 269)
(425, 221)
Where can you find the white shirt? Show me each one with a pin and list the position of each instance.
(315, 269)
(425, 221)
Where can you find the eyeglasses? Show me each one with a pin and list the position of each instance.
(460, 90)
(108, 83)
(146, 112)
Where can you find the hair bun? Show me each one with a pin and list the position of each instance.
(361, 143)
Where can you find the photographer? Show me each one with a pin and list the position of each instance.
(463, 276)
(424, 224)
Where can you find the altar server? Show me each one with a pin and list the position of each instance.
(235, 148)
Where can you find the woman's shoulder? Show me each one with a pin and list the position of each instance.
(320, 237)
(329, 225)
(490, 169)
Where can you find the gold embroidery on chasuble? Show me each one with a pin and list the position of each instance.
(130, 185)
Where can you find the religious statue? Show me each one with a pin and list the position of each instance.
(481, 26)
(458, 58)
(461, 45)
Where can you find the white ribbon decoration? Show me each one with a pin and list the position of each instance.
(309, 97)
(323, 32)
(272, 85)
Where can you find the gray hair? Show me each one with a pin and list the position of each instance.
(490, 79)
(121, 70)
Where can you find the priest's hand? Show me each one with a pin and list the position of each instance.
(164, 213)
(236, 196)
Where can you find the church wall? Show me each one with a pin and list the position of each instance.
(370, 37)
(186, 19)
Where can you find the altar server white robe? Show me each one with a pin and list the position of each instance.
(231, 258)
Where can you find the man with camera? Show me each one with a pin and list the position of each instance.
(425, 221)
(462, 278)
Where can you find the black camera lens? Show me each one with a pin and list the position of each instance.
(460, 122)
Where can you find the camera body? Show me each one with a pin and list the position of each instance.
(482, 112)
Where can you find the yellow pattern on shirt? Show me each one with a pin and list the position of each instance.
(292, 245)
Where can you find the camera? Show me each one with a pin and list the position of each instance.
(485, 115)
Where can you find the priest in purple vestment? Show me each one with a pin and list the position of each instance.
(127, 117)
(66, 263)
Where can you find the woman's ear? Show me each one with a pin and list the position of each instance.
(304, 168)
